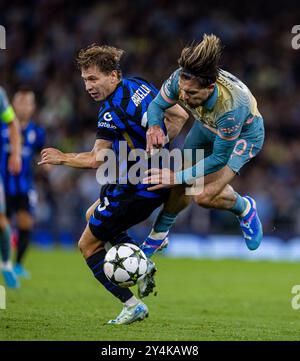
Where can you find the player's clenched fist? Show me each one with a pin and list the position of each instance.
(51, 156)
(155, 138)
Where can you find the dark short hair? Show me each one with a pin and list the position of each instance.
(25, 88)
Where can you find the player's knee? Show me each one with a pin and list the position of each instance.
(91, 210)
(88, 248)
(85, 248)
(88, 214)
(82, 245)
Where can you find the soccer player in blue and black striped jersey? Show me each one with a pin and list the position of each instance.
(14, 163)
(19, 189)
(122, 117)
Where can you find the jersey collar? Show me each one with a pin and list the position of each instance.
(212, 99)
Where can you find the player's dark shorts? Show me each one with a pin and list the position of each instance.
(23, 201)
(120, 209)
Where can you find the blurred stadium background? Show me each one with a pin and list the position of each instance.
(43, 38)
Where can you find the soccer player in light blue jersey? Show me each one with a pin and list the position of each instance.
(228, 126)
(8, 117)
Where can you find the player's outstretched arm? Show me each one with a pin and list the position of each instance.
(229, 128)
(155, 114)
(15, 160)
(75, 160)
(175, 119)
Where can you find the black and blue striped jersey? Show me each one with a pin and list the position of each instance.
(123, 117)
(33, 139)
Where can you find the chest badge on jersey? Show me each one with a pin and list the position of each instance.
(31, 137)
(107, 116)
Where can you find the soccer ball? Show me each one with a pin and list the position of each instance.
(125, 264)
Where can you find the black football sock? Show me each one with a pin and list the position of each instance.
(5, 243)
(96, 262)
(23, 242)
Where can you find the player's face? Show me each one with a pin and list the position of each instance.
(24, 105)
(98, 84)
(191, 92)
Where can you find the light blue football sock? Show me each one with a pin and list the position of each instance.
(164, 222)
(239, 206)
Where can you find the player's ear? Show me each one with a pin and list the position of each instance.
(211, 86)
(114, 76)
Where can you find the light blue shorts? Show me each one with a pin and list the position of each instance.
(247, 146)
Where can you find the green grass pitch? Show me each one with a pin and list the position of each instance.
(197, 300)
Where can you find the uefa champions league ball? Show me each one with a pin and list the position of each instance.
(125, 264)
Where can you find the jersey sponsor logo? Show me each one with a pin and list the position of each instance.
(102, 124)
(140, 94)
(107, 116)
(230, 130)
